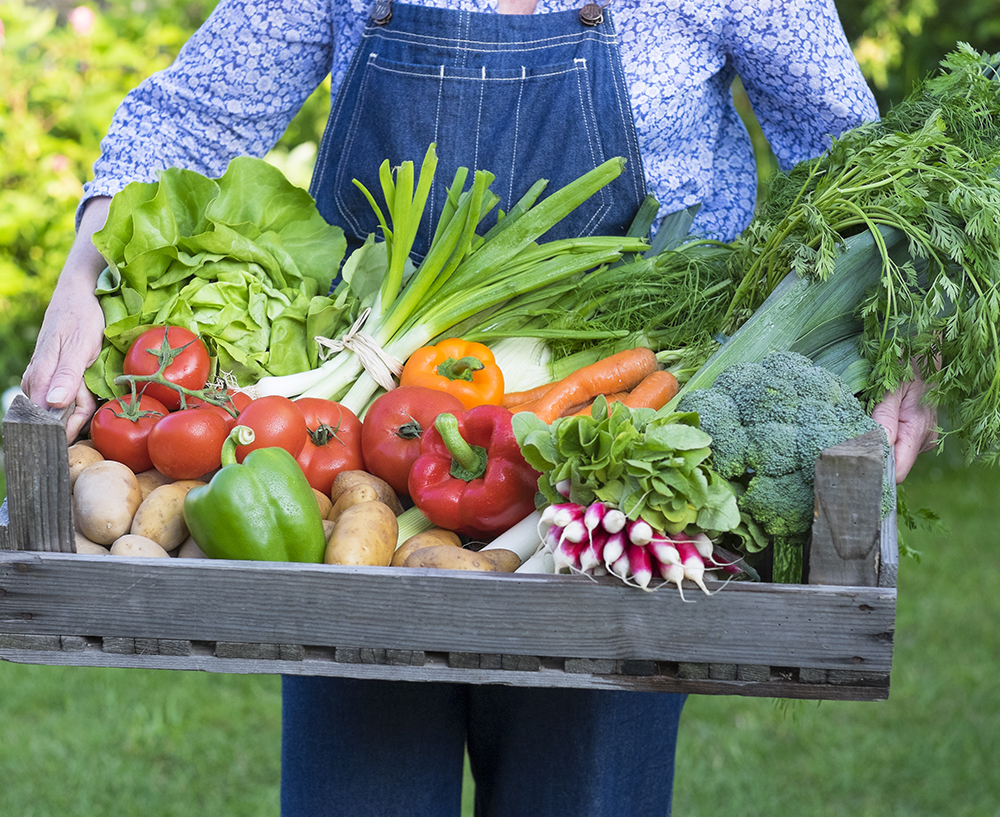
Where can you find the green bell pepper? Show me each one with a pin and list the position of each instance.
(263, 509)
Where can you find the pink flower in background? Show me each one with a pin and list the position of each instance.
(1, 33)
(60, 163)
(82, 19)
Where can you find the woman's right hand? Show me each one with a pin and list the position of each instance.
(72, 330)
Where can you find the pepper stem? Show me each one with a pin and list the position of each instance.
(240, 435)
(461, 368)
(468, 462)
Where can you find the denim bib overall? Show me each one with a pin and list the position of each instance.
(525, 97)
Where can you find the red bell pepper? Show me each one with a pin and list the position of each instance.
(470, 476)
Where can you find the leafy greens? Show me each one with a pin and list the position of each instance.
(244, 260)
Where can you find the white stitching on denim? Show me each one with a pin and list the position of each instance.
(349, 140)
(590, 128)
(637, 174)
(517, 133)
(479, 118)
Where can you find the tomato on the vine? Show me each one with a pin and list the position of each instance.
(333, 444)
(393, 426)
(120, 430)
(188, 444)
(276, 422)
(187, 358)
(237, 400)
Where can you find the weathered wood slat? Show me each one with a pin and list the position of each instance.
(437, 611)
(777, 684)
(36, 462)
(844, 549)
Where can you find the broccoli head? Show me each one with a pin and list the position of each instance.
(769, 421)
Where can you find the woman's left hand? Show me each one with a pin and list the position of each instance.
(909, 423)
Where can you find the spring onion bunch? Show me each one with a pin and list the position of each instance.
(462, 276)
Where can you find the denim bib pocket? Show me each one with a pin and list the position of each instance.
(499, 120)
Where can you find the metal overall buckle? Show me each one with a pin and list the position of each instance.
(381, 12)
(592, 14)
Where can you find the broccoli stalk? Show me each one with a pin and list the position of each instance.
(769, 421)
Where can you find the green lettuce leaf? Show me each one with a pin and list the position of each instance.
(245, 260)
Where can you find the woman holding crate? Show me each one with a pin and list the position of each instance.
(527, 92)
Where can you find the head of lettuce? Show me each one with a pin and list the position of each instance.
(245, 261)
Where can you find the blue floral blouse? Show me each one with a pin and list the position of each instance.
(245, 73)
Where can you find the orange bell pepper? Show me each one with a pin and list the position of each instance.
(465, 369)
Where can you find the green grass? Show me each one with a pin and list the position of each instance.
(87, 742)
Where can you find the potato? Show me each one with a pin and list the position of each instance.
(328, 526)
(84, 545)
(325, 503)
(105, 498)
(446, 557)
(188, 484)
(150, 480)
(427, 538)
(355, 494)
(81, 455)
(132, 544)
(160, 517)
(189, 550)
(364, 534)
(386, 494)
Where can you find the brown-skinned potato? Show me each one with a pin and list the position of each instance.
(81, 455)
(160, 517)
(364, 534)
(353, 495)
(386, 495)
(446, 557)
(105, 498)
(427, 538)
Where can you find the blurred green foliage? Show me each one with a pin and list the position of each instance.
(898, 42)
(63, 72)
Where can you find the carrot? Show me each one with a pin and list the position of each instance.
(576, 411)
(654, 392)
(529, 406)
(622, 371)
(513, 399)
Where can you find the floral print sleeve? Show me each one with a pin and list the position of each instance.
(232, 90)
(245, 73)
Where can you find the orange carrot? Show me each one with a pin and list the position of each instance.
(622, 371)
(519, 398)
(529, 406)
(577, 411)
(655, 391)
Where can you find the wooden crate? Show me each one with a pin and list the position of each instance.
(828, 639)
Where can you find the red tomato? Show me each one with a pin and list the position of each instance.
(238, 400)
(188, 367)
(188, 444)
(276, 422)
(390, 438)
(334, 442)
(120, 430)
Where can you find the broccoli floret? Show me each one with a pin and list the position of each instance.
(769, 422)
(782, 505)
(719, 418)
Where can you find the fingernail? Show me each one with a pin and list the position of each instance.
(56, 396)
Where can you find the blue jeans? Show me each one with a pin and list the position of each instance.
(385, 748)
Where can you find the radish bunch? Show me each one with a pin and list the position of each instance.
(598, 540)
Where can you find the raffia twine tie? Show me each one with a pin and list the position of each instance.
(376, 361)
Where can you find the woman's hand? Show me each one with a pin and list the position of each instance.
(910, 425)
(72, 330)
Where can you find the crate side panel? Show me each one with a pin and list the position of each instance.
(444, 611)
